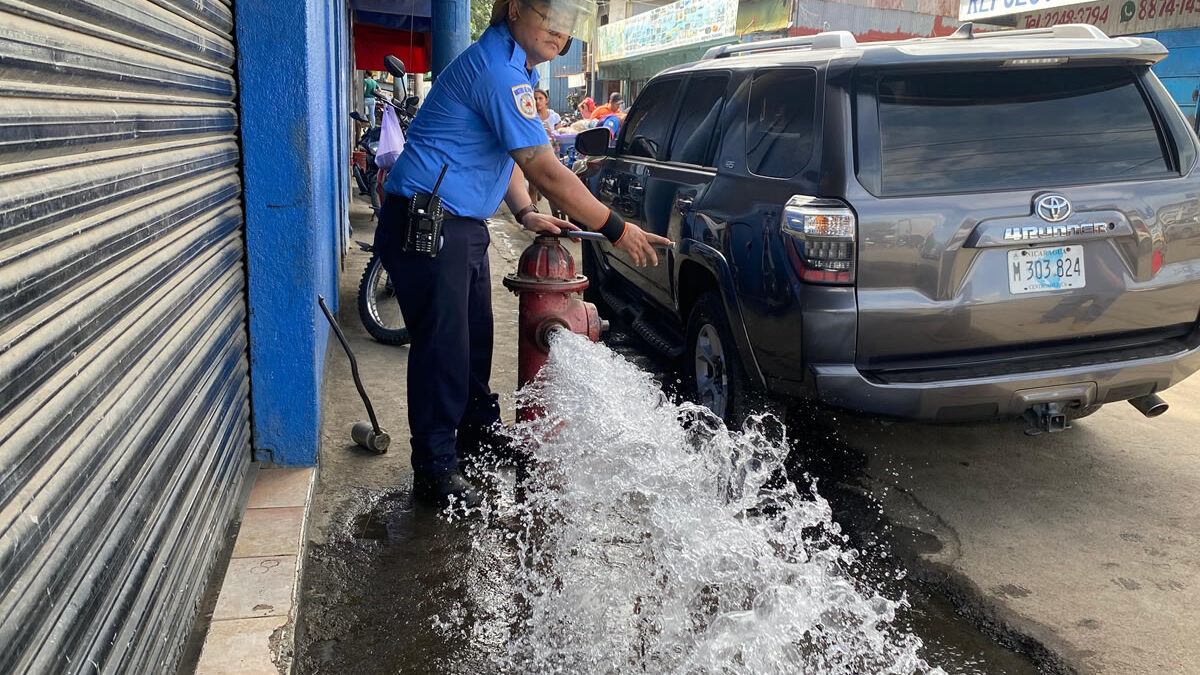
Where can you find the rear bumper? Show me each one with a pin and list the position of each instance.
(981, 398)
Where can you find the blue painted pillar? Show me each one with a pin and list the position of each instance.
(451, 31)
(292, 58)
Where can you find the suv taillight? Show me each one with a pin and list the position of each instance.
(820, 237)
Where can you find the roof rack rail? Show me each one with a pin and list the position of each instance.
(1084, 31)
(834, 39)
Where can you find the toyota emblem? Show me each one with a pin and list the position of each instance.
(1053, 208)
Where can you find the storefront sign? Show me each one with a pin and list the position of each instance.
(763, 16)
(974, 10)
(678, 24)
(1121, 17)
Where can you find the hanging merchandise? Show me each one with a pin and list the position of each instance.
(391, 139)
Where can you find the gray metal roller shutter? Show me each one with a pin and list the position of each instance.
(124, 411)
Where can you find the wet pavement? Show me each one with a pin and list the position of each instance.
(393, 588)
(403, 591)
(400, 590)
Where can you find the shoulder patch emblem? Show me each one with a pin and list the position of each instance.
(523, 95)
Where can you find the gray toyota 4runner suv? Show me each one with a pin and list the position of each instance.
(954, 229)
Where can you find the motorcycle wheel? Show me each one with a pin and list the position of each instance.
(373, 188)
(377, 305)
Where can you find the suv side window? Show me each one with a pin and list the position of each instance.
(779, 125)
(695, 141)
(648, 126)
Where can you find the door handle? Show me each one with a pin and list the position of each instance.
(636, 190)
(683, 203)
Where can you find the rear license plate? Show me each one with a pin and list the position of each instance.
(1045, 269)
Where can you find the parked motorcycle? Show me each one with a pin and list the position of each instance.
(367, 176)
(377, 306)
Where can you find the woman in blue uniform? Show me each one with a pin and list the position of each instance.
(480, 125)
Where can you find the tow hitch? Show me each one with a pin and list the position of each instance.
(1047, 417)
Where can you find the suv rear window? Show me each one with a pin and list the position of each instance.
(998, 130)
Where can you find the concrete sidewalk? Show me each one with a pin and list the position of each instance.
(347, 470)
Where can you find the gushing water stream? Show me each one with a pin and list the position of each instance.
(650, 539)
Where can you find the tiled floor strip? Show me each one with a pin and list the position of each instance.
(254, 619)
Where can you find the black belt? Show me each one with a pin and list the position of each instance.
(401, 202)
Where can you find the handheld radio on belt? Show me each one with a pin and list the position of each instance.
(425, 215)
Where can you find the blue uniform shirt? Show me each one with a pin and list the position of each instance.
(479, 109)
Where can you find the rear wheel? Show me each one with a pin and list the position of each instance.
(377, 306)
(715, 375)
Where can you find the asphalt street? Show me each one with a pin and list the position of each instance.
(1085, 542)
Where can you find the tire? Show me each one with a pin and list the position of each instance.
(715, 376)
(377, 306)
(360, 180)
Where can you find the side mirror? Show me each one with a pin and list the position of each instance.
(394, 66)
(400, 76)
(594, 142)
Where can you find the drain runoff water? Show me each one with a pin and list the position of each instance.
(651, 539)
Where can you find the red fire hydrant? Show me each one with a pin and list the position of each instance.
(546, 283)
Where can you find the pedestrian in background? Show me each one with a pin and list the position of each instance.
(585, 108)
(545, 113)
(478, 137)
(615, 106)
(370, 86)
(550, 120)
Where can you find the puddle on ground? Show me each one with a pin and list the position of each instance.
(645, 538)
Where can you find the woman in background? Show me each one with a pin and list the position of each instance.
(550, 120)
(585, 108)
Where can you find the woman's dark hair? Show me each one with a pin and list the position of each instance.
(499, 12)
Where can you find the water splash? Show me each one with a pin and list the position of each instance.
(651, 539)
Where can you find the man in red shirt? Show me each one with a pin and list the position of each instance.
(613, 107)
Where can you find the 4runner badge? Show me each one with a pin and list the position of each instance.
(1055, 231)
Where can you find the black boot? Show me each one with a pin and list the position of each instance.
(442, 488)
(484, 444)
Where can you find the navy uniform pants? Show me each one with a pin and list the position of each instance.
(447, 306)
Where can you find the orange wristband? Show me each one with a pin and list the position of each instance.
(613, 228)
(624, 229)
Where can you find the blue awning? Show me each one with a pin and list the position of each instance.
(410, 15)
(406, 7)
(417, 24)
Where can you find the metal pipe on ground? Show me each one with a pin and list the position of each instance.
(367, 434)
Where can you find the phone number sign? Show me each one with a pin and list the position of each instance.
(1120, 17)
(975, 10)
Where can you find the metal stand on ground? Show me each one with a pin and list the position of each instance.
(368, 435)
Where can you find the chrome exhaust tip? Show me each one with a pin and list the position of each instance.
(1150, 405)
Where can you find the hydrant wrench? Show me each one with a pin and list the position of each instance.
(367, 435)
